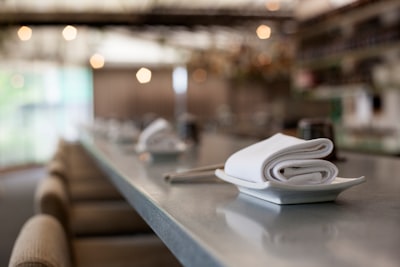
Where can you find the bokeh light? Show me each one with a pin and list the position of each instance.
(69, 33)
(24, 33)
(273, 5)
(143, 75)
(263, 31)
(97, 61)
(199, 75)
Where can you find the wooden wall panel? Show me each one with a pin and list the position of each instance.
(117, 94)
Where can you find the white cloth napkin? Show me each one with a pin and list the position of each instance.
(159, 136)
(284, 159)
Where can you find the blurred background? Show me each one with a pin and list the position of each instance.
(243, 67)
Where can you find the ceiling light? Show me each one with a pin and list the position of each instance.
(97, 61)
(24, 33)
(263, 32)
(273, 5)
(143, 75)
(69, 33)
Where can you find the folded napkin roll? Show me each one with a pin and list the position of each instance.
(159, 136)
(283, 159)
(158, 126)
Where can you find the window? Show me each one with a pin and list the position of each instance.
(39, 103)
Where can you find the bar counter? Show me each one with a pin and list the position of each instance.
(211, 224)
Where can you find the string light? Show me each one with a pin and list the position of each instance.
(97, 61)
(273, 5)
(69, 33)
(143, 75)
(263, 31)
(24, 33)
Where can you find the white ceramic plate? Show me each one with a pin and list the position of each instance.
(292, 194)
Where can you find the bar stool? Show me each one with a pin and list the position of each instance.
(42, 242)
(84, 180)
(90, 218)
(94, 205)
(87, 185)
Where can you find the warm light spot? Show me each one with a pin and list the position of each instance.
(17, 81)
(273, 5)
(69, 33)
(143, 75)
(24, 33)
(263, 59)
(97, 61)
(199, 75)
(263, 32)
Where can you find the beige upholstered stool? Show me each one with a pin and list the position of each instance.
(90, 217)
(87, 186)
(93, 206)
(84, 180)
(42, 242)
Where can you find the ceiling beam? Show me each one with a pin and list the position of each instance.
(155, 17)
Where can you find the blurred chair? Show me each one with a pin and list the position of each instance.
(42, 242)
(83, 198)
(112, 217)
(84, 179)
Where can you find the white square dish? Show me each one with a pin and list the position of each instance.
(280, 193)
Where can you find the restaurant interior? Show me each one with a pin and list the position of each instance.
(245, 69)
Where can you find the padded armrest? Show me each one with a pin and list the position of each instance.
(41, 242)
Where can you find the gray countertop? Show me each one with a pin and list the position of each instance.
(211, 224)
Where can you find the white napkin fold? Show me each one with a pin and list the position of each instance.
(284, 159)
(159, 136)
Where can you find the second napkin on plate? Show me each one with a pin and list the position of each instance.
(160, 137)
(283, 159)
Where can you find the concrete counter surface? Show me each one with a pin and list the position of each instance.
(211, 224)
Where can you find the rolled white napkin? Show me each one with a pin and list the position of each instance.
(283, 159)
(159, 136)
(159, 125)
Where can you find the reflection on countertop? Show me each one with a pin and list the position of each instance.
(369, 139)
(282, 228)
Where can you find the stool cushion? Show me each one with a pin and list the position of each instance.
(41, 242)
